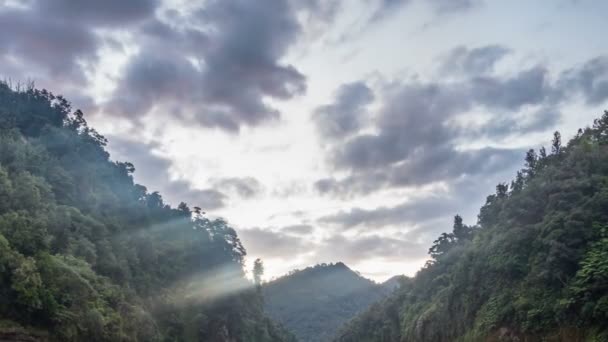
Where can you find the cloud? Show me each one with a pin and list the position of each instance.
(473, 61)
(30, 40)
(266, 243)
(154, 170)
(423, 215)
(427, 165)
(298, 229)
(410, 212)
(354, 250)
(54, 41)
(208, 199)
(589, 79)
(56, 44)
(244, 187)
(346, 114)
(220, 70)
(528, 87)
(98, 13)
(416, 136)
(451, 6)
(541, 119)
(426, 205)
(385, 8)
(218, 65)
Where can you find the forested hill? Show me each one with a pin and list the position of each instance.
(87, 255)
(534, 268)
(314, 302)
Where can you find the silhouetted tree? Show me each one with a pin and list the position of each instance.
(258, 271)
(556, 144)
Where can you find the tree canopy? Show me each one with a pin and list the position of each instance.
(314, 302)
(534, 267)
(87, 254)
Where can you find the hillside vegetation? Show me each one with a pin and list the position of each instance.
(314, 302)
(534, 267)
(87, 255)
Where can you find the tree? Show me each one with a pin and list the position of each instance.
(155, 200)
(184, 209)
(502, 189)
(518, 184)
(537, 267)
(542, 153)
(531, 162)
(443, 244)
(556, 145)
(83, 248)
(258, 271)
(461, 231)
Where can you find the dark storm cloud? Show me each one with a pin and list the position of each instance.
(473, 61)
(346, 114)
(244, 187)
(270, 244)
(153, 170)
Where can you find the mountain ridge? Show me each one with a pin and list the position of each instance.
(314, 302)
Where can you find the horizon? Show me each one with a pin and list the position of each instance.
(321, 132)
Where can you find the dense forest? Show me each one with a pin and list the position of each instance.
(533, 268)
(86, 254)
(315, 302)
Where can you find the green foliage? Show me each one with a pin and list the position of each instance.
(535, 267)
(313, 303)
(87, 254)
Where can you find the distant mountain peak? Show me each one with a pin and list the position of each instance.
(316, 301)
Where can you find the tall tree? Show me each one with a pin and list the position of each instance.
(556, 144)
(258, 271)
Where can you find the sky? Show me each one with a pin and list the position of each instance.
(323, 131)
